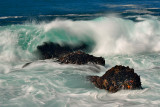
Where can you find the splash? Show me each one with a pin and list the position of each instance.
(107, 36)
(114, 35)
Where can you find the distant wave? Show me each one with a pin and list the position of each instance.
(97, 14)
(8, 17)
(63, 15)
(132, 8)
(126, 5)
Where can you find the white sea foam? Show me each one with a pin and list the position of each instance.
(139, 11)
(126, 5)
(46, 83)
(97, 14)
(15, 17)
(114, 35)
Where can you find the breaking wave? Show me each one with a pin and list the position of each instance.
(106, 35)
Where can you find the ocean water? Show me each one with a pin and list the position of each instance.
(124, 32)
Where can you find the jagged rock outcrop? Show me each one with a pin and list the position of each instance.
(53, 50)
(117, 78)
(79, 57)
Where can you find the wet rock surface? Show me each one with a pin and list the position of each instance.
(79, 57)
(50, 50)
(117, 78)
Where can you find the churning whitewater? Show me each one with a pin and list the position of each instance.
(106, 35)
(45, 83)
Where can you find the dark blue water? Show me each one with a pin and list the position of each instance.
(20, 11)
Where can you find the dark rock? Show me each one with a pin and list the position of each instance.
(80, 58)
(117, 78)
(53, 50)
(26, 64)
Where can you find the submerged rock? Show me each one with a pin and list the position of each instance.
(80, 58)
(117, 78)
(26, 64)
(53, 50)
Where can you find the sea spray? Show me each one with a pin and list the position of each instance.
(107, 35)
(47, 83)
(114, 35)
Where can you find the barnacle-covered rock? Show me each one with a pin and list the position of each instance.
(79, 58)
(117, 78)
